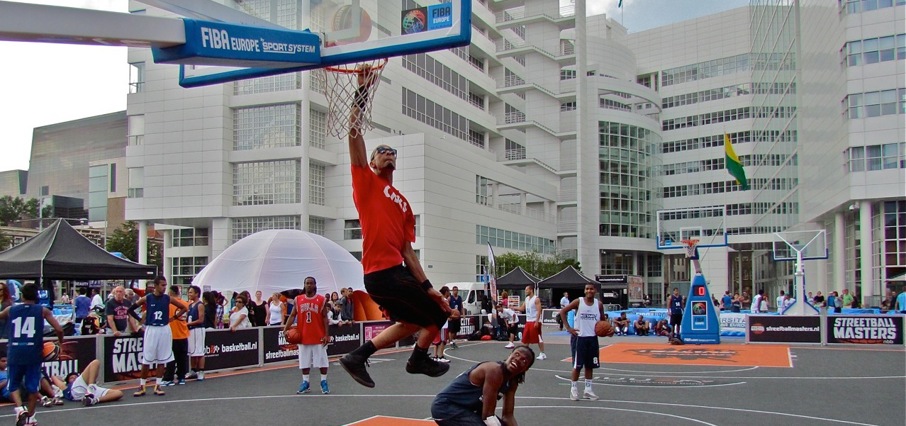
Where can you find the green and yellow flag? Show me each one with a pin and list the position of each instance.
(734, 166)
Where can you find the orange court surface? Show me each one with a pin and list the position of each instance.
(714, 355)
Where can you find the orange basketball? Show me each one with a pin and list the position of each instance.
(51, 351)
(603, 329)
(293, 336)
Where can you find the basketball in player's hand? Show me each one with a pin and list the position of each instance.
(293, 336)
(603, 329)
(51, 351)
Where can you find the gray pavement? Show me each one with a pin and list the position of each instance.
(828, 385)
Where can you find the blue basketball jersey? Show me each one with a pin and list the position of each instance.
(25, 329)
(676, 304)
(193, 315)
(158, 309)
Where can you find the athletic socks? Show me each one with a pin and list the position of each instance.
(324, 376)
(587, 385)
(141, 382)
(573, 384)
(365, 350)
(305, 377)
(419, 353)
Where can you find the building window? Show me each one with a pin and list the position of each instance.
(266, 182)
(271, 126)
(136, 182)
(274, 83)
(352, 230)
(433, 114)
(482, 190)
(245, 226)
(190, 237)
(317, 128)
(186, 268)
(135, 125)
(316, 225)
(514, 151)
(316, 183)
(137, 77)
(876, 104)
(513, 240)
(476, 138)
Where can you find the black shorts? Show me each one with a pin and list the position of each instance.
(676, 319)
(402, 297)
(454, 325)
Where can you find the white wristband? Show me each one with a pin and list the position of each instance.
(492, 421)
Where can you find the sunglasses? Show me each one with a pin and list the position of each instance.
(386, 150)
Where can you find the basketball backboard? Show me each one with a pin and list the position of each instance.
(812, 244)
(705, 224)
(349, 30)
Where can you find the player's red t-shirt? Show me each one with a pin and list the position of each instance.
(309, 319)
(386, 219)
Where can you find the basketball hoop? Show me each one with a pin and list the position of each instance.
(689, 246)
(347, 86)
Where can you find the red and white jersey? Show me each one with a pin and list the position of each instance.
(309, 319)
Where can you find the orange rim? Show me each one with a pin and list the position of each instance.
(357, 71)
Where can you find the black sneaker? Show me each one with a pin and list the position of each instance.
(426, 366)
(355, 366)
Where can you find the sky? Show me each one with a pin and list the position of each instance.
(43, 84)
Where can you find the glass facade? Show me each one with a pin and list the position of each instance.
(245, 226)
(626, 207)
(266, 182)
(269, 126)
(98, 178)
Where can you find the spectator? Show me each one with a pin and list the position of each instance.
(745, 301)
(454, 325)
(180, 343)
(641, 326)
(833, 302)
(847, 299)
(276, 310)
(117, 310)
(91, 325)
(83, 387)
(563, 302)
(889, 301)
(726, 301)
(756, 302)
(258, 310)
(239, 318)
(65, 299)
(779, 301)
(646, 300)
(210, 310)
(334, 299)
(219, 310)
(819, 300)
(96, 300)
(131, 296)
(900, 305)
(621, 324)
(333, 315)
(440, 341)
(736, 303)
(6, 300)
(82, 307)
(509, 321)
(811, 299)
(347, 310)
(787, 302)
(662, 328)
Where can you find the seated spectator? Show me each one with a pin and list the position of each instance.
(662, 328)
(91, 325)
(641, 326)
(333, 315)
(83, 387)
(621, 325)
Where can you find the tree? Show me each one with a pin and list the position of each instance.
(541, 266)
(17, 208)
(5, 241)
(125, 240)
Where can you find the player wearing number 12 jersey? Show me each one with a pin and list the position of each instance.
(25, 328)
(157, 347)
(310, 311)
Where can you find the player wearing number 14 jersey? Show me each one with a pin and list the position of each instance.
(310, 313)
(25, 328)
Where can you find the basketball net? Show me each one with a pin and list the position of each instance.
(692, 253)
(346, 87)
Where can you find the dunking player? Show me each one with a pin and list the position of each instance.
(583, 340)
(532, 331)
(388, 231)
(158, 339)
(25, 328)
(311, 310)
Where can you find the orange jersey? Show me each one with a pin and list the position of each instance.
(178, 327)
(386, 219)
(310, 318)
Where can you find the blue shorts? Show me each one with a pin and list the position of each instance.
(585, 352)
(28, 374)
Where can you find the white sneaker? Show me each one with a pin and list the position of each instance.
(510, 345)
(574, 394)
(588, 394)
(200, 376)
(542, 356)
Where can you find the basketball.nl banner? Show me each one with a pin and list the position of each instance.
(75, 354)
(865, 329)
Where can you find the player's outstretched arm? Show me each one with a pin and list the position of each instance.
(509, 406)
(357, 154)
(491, 377)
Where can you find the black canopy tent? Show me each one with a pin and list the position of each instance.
(516, 279)
(62, 253)
(569, 280)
